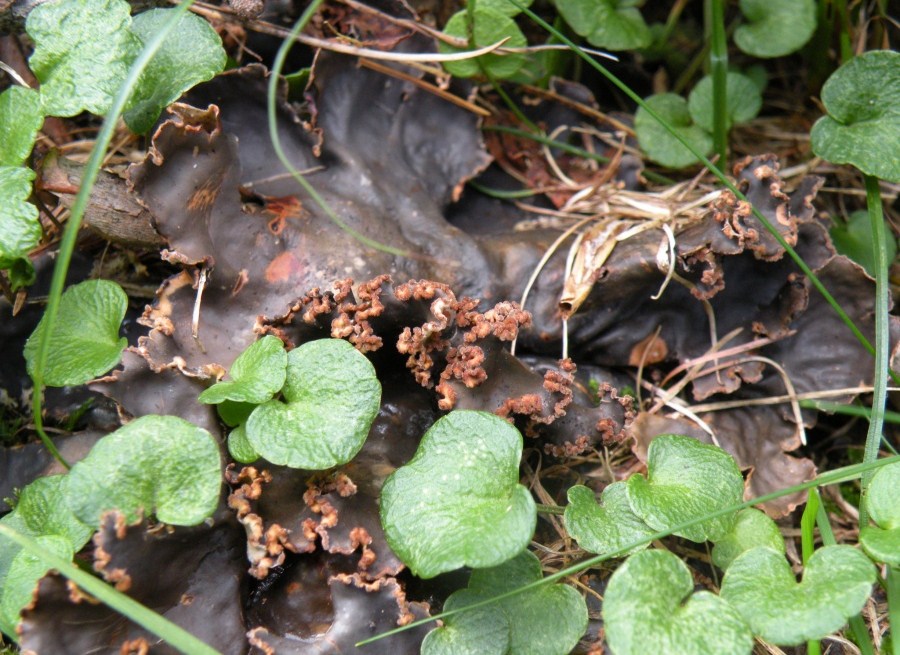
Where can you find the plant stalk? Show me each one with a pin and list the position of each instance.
(718, 62)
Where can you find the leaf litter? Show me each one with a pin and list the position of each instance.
(687, 314)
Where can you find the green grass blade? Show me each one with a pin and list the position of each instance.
(718, 63)
(832, 477)
(67, 245)
(893, 597)
(882, 339)
(173, 634)
(802, 265)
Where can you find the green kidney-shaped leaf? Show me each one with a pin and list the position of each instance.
(20, 120)
(458, 502)
(332, 396)
(256, 375)
(504, 7)
(482, 631)
(686, 479)
(649, 607)
(490, 26)
(239, 446)
(751, 529)
(155, 464)
(548, 620)
(775, 29)
(19, 227)
(742, 96)
(835, 586)
(82, 51)
(862, 125)
(882, 543)
(41, 512)
(22, 577)
(607, 528)
(854, 239)
(192, 53)
(85, 342)
(661, 146)
(611, 24)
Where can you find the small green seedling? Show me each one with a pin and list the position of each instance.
(649, 607)
(882, 540)
(331, 397)
(775, 29)
(610, 24)
(488, 25)
(548, 620)
(862, 126)
(836, 583)
(686, 479)
(458, 502)
(85, 342)
(658, 143)
(752, 528)
(159, 465)
(256, 375)
(606, 527)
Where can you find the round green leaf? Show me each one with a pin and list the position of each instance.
(611, 24)
(686, 479)
(19, 227)
(239, 447)
(22, 577)
(458, 502)
(20, 120)
(256, 375)
(234, 414)
(743, 101)
(155, 464)
(649, 608)
(854, 239)
(607, 528)
(752, 529)
(192, 53)
(82, 51)
(835, 586)
(862, 126)
(482, 631)
(656, 141)
(332, 397)
(85, 342)
(882, 543)
(775, 29)
(548, 620)
(489, 27)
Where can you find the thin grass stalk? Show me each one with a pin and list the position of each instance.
(882, 339)
(718, 63)
(832, 477)
(855, 410)
(76, 214)
(173, 634)
(808, 547)
(712, 168)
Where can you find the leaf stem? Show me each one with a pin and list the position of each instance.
(76, 214)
